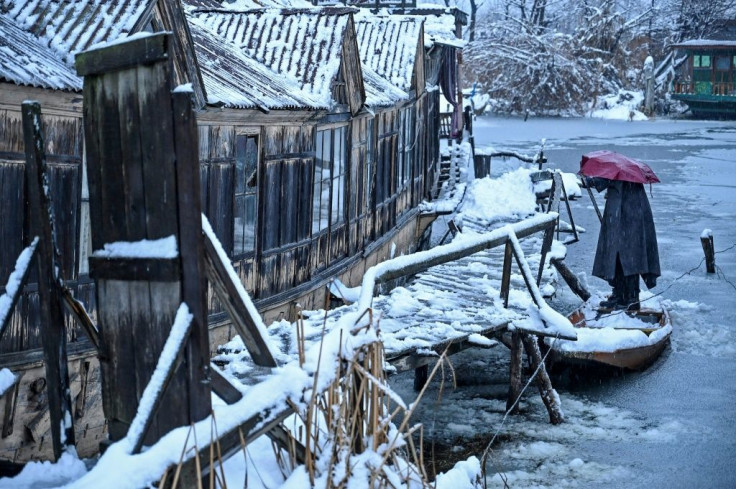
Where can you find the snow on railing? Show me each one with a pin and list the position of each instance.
(466, 245)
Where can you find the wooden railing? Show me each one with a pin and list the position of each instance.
(721, 89)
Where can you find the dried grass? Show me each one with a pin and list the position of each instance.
(345, 432)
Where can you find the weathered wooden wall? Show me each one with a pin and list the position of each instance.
(62, 127)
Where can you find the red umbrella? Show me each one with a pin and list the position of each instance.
(615, 166)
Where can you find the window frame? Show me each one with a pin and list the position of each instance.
(330, 210)
(248, 190)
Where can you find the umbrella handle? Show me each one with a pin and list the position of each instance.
(595, 203)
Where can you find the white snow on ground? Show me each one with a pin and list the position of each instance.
(622, 106)
(510, 195)
(41, 475)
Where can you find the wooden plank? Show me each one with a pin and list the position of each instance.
(132, 154)
(153, 394)
(191, 248)
(12, 212)
(28, 254)
(229, 294)
(158, 159)
(230, 442)
(223, 388)
(79, 313)
(141, 51)
(52, 312)
(154, 269)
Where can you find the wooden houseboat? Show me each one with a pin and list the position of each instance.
(314, 159)
(705, 81)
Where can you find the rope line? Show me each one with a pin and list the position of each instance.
(720, 274)
(487, 450)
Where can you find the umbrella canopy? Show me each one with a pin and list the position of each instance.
(615, 166)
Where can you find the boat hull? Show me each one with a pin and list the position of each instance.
(637, 358)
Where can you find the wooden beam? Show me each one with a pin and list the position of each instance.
(23, 270)
(549, 235)
(222, 386)
(51, 321)
(229, 295)
(191, 249)
(133, 269)
(79, 313)
(571, 279)
(521, 231)
(168, 363)
(140, 51)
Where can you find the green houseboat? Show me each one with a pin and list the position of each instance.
(705, 81)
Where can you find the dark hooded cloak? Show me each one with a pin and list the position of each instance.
(627, 231)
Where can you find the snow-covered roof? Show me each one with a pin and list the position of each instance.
(388, 45)
(38, 38)
(706, 43)
(69, 27)
(440, 29)
(379, 92)
(25, 60)
(250, 4)
(234, 79)
(304, 44)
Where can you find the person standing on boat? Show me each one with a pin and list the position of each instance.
(627, 243)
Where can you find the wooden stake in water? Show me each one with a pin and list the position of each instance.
(706, 239)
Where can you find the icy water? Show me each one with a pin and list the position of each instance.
(671, 426)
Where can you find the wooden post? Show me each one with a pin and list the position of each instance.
(515, 370)
(506, 273)
(544, 384)
(143, 178)
(549, 235)
(51, 318)
(706, 239)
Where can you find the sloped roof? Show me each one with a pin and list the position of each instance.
(69, 27)
(305, 44)
(388, 45)
(24, 60)
(380, 92)
(706, 43)
(234, 79)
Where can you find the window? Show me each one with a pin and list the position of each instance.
(246, 193)
(338, 177)
(723, 63)
(701, 61)
(368, 177)
(328, 197)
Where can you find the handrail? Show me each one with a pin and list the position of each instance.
(418, 262)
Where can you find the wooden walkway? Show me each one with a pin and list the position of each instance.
(448, 307)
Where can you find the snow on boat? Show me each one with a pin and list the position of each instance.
(630, 340)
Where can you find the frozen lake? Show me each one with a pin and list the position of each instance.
(673, 425)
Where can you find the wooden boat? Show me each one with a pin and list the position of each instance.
(655, 324)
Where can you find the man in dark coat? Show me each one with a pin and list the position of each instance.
(627, 243)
